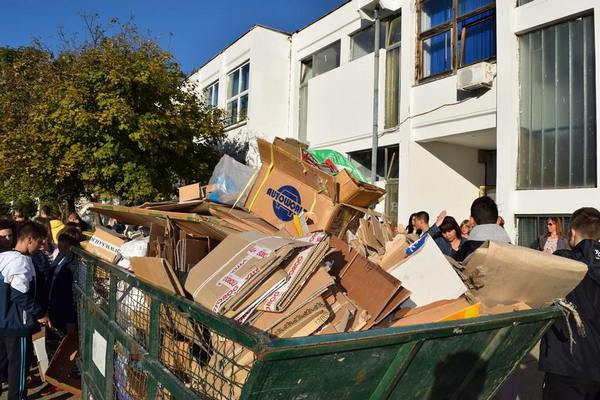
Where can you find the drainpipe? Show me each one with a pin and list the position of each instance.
(375, 98)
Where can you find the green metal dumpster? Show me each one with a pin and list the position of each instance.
(139, 342)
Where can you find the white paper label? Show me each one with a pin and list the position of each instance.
(99, 352)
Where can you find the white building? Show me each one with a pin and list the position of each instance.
(529, 139)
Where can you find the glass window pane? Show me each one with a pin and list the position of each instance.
(245, 77)
(306, 71)
(392, 162)
(232, 111)
(303, 112)
(479, 34)
(243, 107)
(234, 83)
(557, 144)
(466, 6)
(437, 57)
(549, 148)
(394, 31)
(363, 43)
(522, 2)
(434, 13)
(326, 59)
(392, 87)
(589, 73)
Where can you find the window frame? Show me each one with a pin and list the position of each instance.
(206, 91)
(229, 119)
(452, 27)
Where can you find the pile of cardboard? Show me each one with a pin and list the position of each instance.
(306, 256)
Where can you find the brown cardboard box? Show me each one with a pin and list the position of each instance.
(367, 284)
(191, 192)
(236, 266)
(286, 186)
(105, 244)
(505, 274)
(347, 316)
(63, 363)
(158, 272)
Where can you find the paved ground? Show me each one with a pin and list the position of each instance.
(526, 382)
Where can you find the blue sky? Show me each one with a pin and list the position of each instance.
(193, 31)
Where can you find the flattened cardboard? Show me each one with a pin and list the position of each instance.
(367, 284)
(428, 275)
(303, 322)
(158, 272)
(39, 348)
(105, 244)
(395, 252)
(63, 363)
(443, 310)
(507, 274)
(242, 259)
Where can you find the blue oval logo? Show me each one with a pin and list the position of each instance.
(286, 202)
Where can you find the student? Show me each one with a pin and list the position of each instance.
(17, 215)
(20, 315)
(7, 235)
(421, 223)
(576, 375)
(61, 308)
(76, 219)
(451, 239)
(484, 219)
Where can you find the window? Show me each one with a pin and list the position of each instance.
(237, 95)
(316, 64)
(449, 40)
(523, 2)
(531, 227)
(212, 94)
(387, 169)
(363, 41)
(392, 71)
(557, 137)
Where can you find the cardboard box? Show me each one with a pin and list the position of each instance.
(427, 274)
(105, 244)
(191, 192)
(286, 186)
(236, 266)
(39, 348)
(61, 369)
(157, 272)
(505, 274)
(443, 310)
(367, 284)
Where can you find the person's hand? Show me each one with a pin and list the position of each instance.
(440, 218)
(44, 321)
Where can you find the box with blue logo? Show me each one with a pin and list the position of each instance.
(288, 186)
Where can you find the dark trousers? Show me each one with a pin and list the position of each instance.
(560, 387)
(15, 358)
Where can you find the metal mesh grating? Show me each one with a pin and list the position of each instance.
(133, 312)
(130, 378)
(206, 362)
(101, 287)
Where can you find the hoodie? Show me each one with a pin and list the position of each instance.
(19, 311)
(555, 354)
(478, 236)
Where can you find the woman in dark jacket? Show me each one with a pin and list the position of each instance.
(451, 238)
(553, 240)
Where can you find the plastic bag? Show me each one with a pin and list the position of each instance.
(228, 180)
(133, 248)
(339, 160)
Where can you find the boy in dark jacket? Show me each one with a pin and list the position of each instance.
(576, 375)
(20, 316)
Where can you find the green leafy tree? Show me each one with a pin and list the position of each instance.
(112, 117)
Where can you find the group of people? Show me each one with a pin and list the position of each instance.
(458, 241)
(37, 268)
(570, 358)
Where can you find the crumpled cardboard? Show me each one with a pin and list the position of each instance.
(158, 272)
(505, 274)
(367, 284)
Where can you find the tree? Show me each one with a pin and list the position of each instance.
(111, 117)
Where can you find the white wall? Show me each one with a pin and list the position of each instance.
(511, 22)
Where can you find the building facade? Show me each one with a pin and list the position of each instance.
(474, 96)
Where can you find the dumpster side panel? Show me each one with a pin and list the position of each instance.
(340, 375)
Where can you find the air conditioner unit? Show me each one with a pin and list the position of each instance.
(476, 76)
